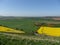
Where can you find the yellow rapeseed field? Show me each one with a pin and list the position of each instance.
(6, 29)
(52, 31)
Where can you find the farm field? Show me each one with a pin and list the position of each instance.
(28, 25)
(10, 30)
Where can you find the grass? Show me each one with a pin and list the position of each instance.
(27, 25)
(13, 40)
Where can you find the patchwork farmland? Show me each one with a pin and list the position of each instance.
(29, 25)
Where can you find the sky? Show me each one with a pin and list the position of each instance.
(30, 8)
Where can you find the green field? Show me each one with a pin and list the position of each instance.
(27, 25)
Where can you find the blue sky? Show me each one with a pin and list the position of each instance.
(30, 7)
